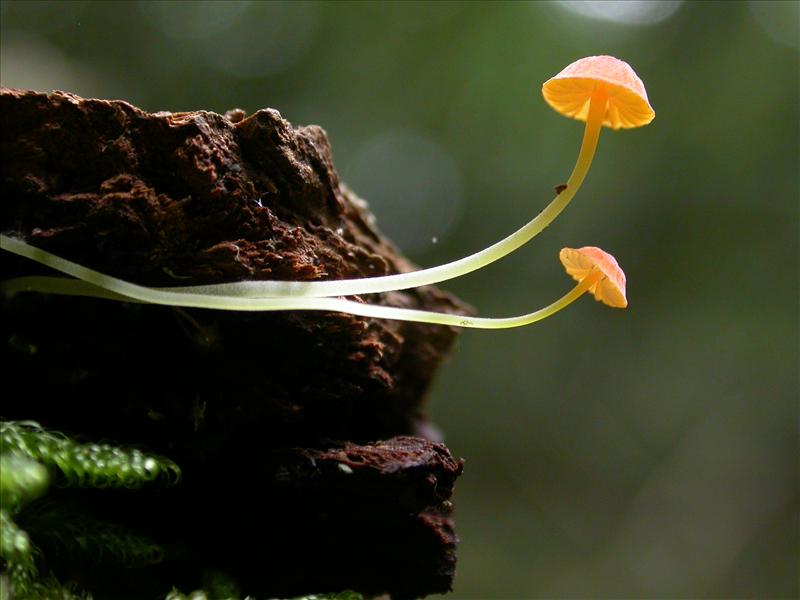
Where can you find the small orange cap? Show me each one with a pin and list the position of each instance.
(569, 92)
(610, 289)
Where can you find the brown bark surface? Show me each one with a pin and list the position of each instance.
(275, 418)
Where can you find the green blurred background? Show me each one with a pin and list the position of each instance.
(647, 453)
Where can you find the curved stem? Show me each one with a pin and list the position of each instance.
(77, 287)
(58, 285)
(367, 285)
(451, 270)
(93, 283)
(591, 135)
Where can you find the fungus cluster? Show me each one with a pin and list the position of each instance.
(599, 90)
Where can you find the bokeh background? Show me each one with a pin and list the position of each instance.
(647, 453)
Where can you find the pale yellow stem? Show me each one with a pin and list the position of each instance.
(92, 283)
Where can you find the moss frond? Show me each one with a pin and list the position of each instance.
(22, 479)
(16, 584)
(67, 532)
(86, 465)
(15, 545)
(28, 454)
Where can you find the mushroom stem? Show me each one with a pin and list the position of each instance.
(117, 289)
(591, 135)
(451, 270)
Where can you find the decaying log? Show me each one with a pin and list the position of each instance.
(275, 418)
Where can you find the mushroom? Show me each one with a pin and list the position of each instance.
(600, 90)
(606, 82)
(610, 287)
(595, 271)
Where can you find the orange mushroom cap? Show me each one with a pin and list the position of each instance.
(569, 92)
(610, 289)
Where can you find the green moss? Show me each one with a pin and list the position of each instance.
(28, 456)
(86, 465)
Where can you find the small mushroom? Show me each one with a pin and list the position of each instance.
(611, 84)
(610, 287)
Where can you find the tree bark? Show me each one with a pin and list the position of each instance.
(275, 418)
